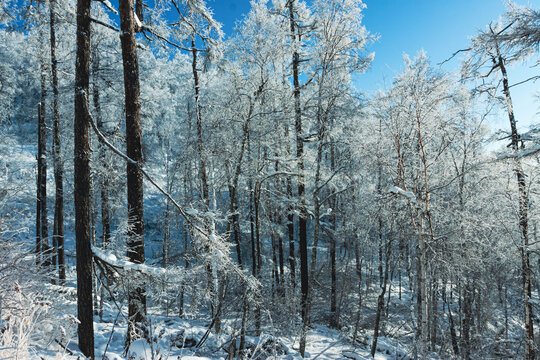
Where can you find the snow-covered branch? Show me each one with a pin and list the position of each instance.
(399, 191)
(519, 154)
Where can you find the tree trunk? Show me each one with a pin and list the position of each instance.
(58, 234)
(433, 314)
(135, 253)
(280, 254)
(103, 177)
(383, 286)
(358, 261)
(275, 250)
(467, 321)
(290, 233)
(523, 217)
(202, 160)
(42, 158)
(302, 216)
(38, 192)
(256, 204)
(453, 336)
(103, 159)
(82, 182)
(252, 230)
(333, 286)
(38, 204)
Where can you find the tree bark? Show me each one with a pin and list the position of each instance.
(202, 161)
(58, 233)
(290, 233)
(523, 210)
(290, 216)
(333, 277)
(135, 253)
(82, 182)
(467, 321)
(384, 259)
(302, 216)
(358, 268)
(42, 160)
(103, 176)
(38, 192)
(103, 159)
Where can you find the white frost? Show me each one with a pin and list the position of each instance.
(408, 194)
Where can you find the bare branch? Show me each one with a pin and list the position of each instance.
(99, 22)
(454, 55)
(532, 78)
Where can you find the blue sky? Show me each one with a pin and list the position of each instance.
(440, 27)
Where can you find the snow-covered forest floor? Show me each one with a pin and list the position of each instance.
(176, 338)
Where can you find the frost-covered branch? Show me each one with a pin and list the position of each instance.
(399, 191)
(110, 259)
(107, 4)
(519, 154)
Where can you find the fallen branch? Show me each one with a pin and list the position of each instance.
(64, 347)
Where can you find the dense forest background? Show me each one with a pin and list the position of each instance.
(169, 193)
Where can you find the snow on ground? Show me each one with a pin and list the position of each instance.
(175, 338)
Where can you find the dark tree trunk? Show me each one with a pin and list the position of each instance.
(42, 160)
(202, 161)
(234, 222)
(58, 234)
(103, 177)
(333, 286)
(290, 214)
(166, 234)
(333, 277)
(42, 165)
(358, 267)
(38, 192)
(383, 285)
(275, 250)
(290, 233)
(38, 207)
(103, 160)
(188, 191)
(467, 321)
(252, 230)
(302, 216)
(82, 182)
(256, 204)
(453, 335)
(135, 253)
(523, 217)
(280, 252)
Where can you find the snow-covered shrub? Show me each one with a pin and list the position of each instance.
(28, 318)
